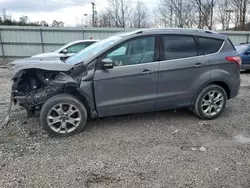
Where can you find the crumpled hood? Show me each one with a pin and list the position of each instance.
(53, 64)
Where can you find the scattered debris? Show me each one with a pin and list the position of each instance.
(205, 124)
(33, 132)
(216, 169)
(194, 148)
(242, 139)
(202, 149)
(101, 179)
(176, 131)
(4, 103)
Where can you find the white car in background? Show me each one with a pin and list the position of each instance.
(67, 50)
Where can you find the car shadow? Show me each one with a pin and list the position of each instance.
(244, 72)
(130, 119)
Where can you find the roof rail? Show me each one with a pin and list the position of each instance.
(175, 29)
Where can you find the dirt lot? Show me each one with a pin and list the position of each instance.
(145, 150)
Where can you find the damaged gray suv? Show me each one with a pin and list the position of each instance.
(141, 71)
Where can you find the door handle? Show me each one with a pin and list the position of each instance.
(147, 71)
(198, 64)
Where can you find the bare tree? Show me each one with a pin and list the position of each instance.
(24, 19)
(105, 20)
(119, 12)
(178, 13)
(224, 13)
(57, 24)
(240, 7)
(140, 16)
(205, 9)
(211, 5)
(162, 15)
(44, 23)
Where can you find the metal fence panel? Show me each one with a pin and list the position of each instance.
(237, 37)
(19, 51)
(61, 36)
(18, 41)
(19, 36)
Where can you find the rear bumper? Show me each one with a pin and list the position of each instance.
(235, 86)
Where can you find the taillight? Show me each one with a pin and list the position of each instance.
(235, 59)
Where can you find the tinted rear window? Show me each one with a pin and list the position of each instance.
(209, 45)
(179, 46)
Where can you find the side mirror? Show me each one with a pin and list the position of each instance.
(107, 63)
(65, 51)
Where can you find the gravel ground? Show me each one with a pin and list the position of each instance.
(162, 149)
(4, 62)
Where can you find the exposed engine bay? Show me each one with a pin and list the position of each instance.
(34, 82)
(32, 87)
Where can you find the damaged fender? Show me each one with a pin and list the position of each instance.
(32, 87)
(35, 81)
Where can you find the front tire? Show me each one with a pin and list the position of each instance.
(63, 115)
(210, 102)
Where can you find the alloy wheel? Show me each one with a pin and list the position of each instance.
(212, 103)
(64, 118)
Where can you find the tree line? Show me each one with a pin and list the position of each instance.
(203, 14)
(24, 21)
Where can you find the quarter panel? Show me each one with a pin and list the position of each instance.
(226, 71)
(179, 80)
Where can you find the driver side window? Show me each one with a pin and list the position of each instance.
(137, 51)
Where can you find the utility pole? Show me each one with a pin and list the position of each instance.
(93, 14)
(4, 14)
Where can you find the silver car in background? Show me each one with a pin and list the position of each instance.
(67, 50)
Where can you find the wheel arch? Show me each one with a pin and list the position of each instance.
(81, 97)
(220, 83)
(224, 85)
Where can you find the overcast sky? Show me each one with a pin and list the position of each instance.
(69, 11)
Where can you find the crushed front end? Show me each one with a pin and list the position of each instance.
(34, 83)
(31, 88)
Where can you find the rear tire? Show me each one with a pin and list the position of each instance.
(63, 115)
(210, 102)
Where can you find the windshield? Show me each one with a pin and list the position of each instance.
(92, 50)
(241, 49)
(63, 47)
